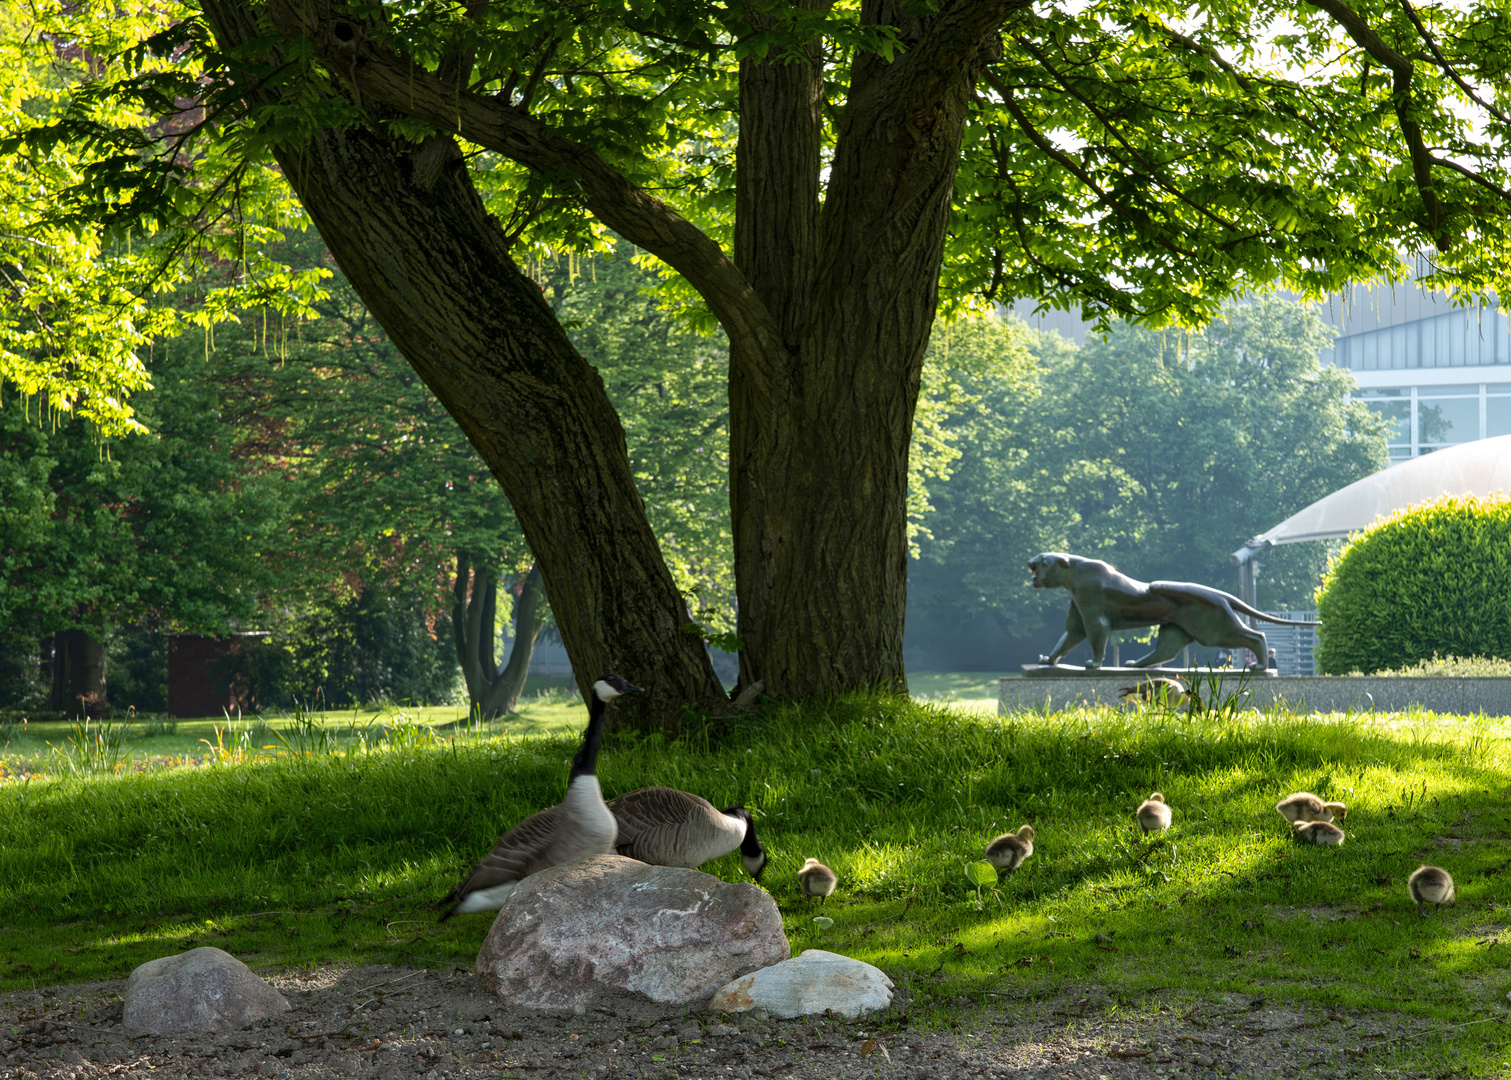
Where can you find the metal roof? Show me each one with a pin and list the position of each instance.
(1475, 468)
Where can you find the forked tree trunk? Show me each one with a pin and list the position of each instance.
(492, 693)
(434, 268)
(819, 441)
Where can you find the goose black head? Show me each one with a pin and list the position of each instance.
(610, 686)
(752, 853)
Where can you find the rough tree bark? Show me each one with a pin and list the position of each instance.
(828, 311)
(492, 693)
(434, 267)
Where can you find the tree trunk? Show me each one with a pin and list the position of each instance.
(529, 621)
(819, 454)
(434, 268)
(492, 693)
(78, 674)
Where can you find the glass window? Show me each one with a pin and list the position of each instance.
(1394, 407)
(1497, 416)
(1442, 421)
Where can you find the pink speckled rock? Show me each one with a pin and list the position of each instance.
(607, 925)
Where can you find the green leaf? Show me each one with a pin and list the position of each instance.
(823, 922)
(981, 874)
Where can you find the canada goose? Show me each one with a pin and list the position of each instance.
(1304, 806)
(1318, 832)
(817, 880)
(667, 827)
(1008, 851)
(578, 826)
(1168, 690)
(1152, 814)
(1431, 885)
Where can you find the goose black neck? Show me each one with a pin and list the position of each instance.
(586, 761)
(749, 846)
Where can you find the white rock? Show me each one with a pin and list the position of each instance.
(203, 989)
(810, 983)
(607, 925)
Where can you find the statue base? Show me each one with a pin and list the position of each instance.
(1185, 674)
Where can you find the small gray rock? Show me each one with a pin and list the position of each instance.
(203, 989)
(607, 925)
(814, 982)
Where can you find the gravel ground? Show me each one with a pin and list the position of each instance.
(390, 1023)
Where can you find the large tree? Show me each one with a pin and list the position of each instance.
(812, 170)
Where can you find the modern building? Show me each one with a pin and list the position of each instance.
(1439, 372)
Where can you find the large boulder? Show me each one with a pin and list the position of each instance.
(608, 925)
(201, 990)
(814, 982)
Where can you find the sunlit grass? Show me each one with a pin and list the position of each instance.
(301, 860)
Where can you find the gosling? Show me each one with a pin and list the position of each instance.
(1008, 851)
(1304, 806)
(1431, 885)
(1318, 832)
(1152, 814)
(817, 880)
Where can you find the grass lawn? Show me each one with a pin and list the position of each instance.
(330, 857)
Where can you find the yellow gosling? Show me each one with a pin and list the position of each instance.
(1431, 885)
(1318, 832)
(1304, 806)
(1008, 851)
(817, 880)
(1152, 814)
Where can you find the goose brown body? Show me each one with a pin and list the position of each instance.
(1008, 851)
(667, 827)
(1431, 885)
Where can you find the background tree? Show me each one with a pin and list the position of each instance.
(1159, 452)
(1116, 157)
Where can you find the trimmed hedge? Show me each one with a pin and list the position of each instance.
(1431, 579)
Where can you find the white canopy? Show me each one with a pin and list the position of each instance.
(1474, 468)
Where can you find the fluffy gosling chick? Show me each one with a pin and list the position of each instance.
(1318, 832)
(1152, 814)
(817, 880)
(1430, 885)
(1304, 806)
(1008, 851)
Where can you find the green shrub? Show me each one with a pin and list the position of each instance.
(1430, 579)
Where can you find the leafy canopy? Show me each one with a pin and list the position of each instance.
(1135, 160)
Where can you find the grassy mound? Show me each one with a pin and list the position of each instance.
(342, 856)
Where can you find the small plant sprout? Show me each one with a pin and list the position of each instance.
(823, 922)
(980, 874)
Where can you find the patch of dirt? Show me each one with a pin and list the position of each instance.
(387, 1023)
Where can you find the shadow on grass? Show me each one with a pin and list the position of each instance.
(341, 858)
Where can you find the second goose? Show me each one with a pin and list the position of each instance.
(666, 827)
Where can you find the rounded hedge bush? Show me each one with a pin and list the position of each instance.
(1431, 579)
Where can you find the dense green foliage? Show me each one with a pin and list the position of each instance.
(1159, 452)
(1427, 580)
(313, 860)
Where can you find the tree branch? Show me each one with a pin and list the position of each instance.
(1401, 70)
(349, 52)
(1448, 69)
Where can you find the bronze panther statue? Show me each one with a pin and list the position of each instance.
(1103, 600)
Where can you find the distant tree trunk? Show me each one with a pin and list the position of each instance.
(492, 693)
(78, 674)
